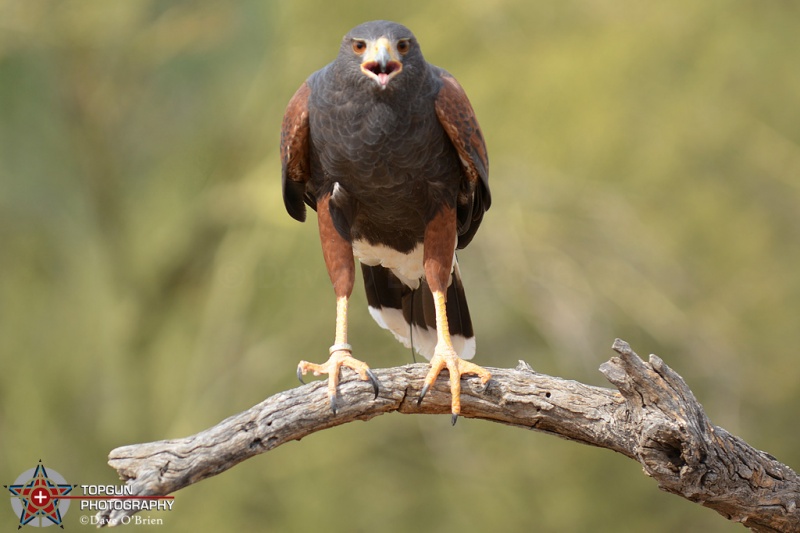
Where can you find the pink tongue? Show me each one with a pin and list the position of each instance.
(383, 78)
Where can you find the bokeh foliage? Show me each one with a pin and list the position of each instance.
(646, 182)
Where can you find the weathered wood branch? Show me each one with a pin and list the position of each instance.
(653, 418)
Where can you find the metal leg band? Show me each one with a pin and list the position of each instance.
(341, 346)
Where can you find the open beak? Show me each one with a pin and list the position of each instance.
(381, 62)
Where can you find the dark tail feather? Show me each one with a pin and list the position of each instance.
(385, 297)
(410, 313)
(458, 316)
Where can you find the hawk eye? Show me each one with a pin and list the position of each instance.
(359, 46)
(403, 46)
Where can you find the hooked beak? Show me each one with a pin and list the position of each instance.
(381, 62)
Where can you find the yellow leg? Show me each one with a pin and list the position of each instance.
(341, 320)
(444, 356)
(340, 355)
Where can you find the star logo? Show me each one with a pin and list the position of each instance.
(38, 494)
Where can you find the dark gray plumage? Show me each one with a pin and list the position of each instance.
(389, 144)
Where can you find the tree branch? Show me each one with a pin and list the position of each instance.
(653, 418)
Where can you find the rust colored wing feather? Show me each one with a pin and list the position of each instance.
(458, 119)
(294, 154)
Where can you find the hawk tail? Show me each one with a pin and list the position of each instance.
(410, 316)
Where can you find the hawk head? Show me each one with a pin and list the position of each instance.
(380, 54)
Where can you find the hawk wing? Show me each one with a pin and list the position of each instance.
(458, 119)
(294, 155)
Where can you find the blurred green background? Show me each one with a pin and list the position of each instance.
(645, 169)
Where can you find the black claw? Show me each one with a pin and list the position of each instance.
(374, 381)
(422, 393)
(300, 375)
(454, 419)
(334, 405)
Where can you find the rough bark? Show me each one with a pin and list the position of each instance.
(653, 418)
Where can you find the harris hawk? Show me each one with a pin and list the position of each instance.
(386, 148)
